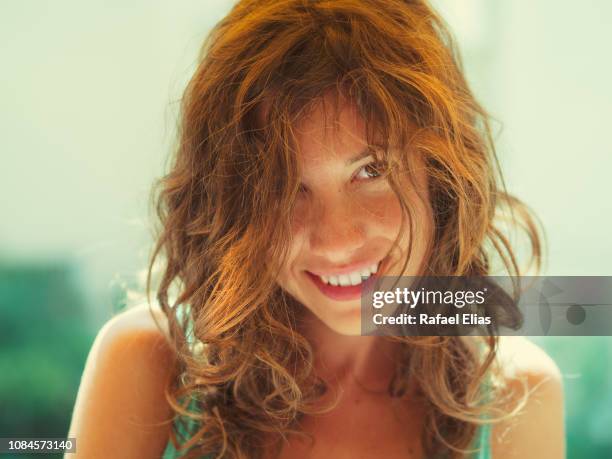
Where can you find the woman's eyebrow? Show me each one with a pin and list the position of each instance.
(367, 151)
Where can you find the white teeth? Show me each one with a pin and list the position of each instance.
(344, 280)
(354, 278)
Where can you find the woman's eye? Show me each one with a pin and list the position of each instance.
(371, 170)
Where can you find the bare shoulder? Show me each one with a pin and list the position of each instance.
(141, 321)
(120, 410)
(537, 430)
(521, 356)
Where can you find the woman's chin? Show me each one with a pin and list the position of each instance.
(344, 322)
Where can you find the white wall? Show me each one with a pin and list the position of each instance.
(89, 93)
(543, 69)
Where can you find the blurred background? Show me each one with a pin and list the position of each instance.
(89, 95)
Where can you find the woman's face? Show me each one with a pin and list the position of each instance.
(346, 220)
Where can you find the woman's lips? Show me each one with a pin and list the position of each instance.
(345, 293)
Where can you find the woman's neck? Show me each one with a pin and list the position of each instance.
(344, 360)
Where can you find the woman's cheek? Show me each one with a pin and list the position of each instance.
(383, 208)
(299, 218)
(380, 207)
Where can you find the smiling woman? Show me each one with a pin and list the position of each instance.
(347, 218)
(323, 144)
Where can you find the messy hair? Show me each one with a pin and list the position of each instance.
(225, 210)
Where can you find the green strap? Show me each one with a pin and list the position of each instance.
(483, 442)
(483, 438)
(186, 430)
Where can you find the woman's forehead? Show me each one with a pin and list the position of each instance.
(330, 109)
(330, 132)
(329, 124)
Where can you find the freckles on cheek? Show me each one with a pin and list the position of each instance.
(299, 232)
(386, 210)
(299, 219)
(298, 225)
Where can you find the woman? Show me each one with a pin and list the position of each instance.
(321, 142)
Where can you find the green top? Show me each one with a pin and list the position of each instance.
(481, 441)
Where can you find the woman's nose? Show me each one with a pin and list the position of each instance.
(337, 229)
